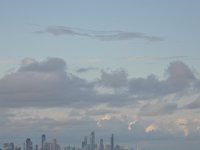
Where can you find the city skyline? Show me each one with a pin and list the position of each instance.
(54, 145)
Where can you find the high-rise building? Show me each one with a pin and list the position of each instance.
(8, 146)
(52, 145)
(36, 147)
(92, 141)
(29, 144)
(112, 142)
(101, 146)
(43, 141)
(84, 144)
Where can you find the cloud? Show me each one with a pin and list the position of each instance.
(151, 128)
(114, 79)
(180, 74)
(182, 124)
(49, 65)
(194, 105)
(102, 119)
(131, 124)
(154, 58)
(44, 83)
(100, 111)
(48, 83)
(114, 35)
(179, 78)
(83, 70)
(158, 109)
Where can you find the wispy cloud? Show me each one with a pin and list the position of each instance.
(86, 69)
(112, 35)
(155, 58)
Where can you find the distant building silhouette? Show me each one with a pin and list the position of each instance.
(43, 140)
(92, 141)
(29, 145)
(84, 144)
(8, 146)
(101, 146)
(112, 142)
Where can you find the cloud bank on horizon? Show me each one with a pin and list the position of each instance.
(45, 96)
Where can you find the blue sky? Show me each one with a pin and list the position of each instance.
(143, 53)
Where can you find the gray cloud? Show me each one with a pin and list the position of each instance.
(114, 79)
(154, 58)
(158, 109)
(48, 84)
(114, 35)
(180, 74)
(83, 70)
(49, 65)
(44, 83)
(96, 112)
(194, 105)
(179, 78)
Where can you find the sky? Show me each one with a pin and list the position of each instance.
(125, 67)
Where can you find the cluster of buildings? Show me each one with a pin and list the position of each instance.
(92, 145)
(87, 144)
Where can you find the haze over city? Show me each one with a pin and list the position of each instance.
(128, 68)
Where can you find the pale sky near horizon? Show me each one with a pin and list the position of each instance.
(92, 64)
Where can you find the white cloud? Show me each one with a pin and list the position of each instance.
(131, 124)
(102, 119)
(151, 128)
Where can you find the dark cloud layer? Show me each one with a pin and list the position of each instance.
(114, 79)
(48, 84)
(114, 35)
(179, 78)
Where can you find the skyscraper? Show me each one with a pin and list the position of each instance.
(92, 141)
(43, 141)
(112, 142)
(29, 144)
(8, 146)
(36, 147)
(84, 144)
(101, 146)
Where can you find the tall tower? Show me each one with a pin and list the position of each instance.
(43, 141)
(36, 147)
(101, 146)
(84, 144)
(92, 141)
(112, 142)
(29, 144)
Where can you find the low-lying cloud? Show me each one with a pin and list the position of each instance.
(48, 83)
